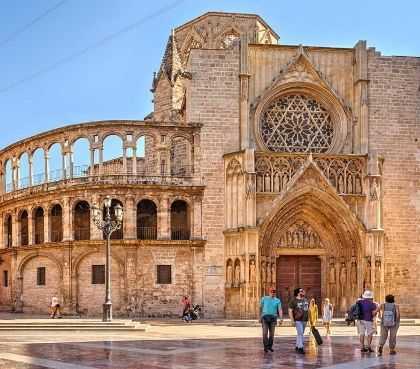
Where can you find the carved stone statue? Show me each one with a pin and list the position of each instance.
(332, 273)
(237, 274)
(252, 271)
(268, 273)
(374, 192)
(367, 280)
(343, 279)
(229, 274)
(273, 273)
(353, 275)
(263, 274)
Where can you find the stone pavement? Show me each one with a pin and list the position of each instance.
(192, 346)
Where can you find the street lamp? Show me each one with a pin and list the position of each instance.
(108, 226)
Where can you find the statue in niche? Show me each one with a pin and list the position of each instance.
(273, 273)
(252, 271)
(374, 192)
(332, 273)
(343, 279)
(268, 273)
(229, 274)
(353, 275)
(263, 275)
(237, 274)
(367, 281)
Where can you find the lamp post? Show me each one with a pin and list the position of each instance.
(108, 226)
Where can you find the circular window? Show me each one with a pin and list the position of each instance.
(296, 123)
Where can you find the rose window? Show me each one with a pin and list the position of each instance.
(296, 123)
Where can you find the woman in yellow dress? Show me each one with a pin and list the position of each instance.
(313, 313)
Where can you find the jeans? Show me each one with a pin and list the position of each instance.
(300, 329)
(392, 335)
(269, 323)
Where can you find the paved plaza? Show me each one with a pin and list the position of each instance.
(206, 346)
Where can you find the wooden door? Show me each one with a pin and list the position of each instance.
(298, 271)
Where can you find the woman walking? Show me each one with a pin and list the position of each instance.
(327, 315)
(390, 322)
(313, 313)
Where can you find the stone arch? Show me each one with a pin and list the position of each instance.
(180, 155)
(340, 232)
(146, 153)
(340, 115)
(180, 213)
(27, 258)
(146, 219)
(89, 300)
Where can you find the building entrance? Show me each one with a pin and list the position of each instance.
(298, 271)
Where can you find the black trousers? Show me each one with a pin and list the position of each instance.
(269, 323)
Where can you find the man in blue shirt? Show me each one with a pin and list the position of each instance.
(270, 311)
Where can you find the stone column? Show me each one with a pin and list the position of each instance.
(67, 220)
(101, 159)
(164, 223)
(30, 227)
(15, 229)
(130, 218)
(2, 233)
(46, 224)
(95, 233)
(92, 161)
(46, 165)
(30, 169)
(124, 160)
(134, 160)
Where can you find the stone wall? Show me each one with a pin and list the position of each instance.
(394, 130)
(213, 100)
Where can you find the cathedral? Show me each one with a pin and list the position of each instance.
(262, 165)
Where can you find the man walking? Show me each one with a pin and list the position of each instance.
(298, 314)
(368, 310)
(270, 311)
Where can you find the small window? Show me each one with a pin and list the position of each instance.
(5, 278)
(98, 274)
(40, 276)
(164, 274)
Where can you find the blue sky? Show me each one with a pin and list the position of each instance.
(113, 81)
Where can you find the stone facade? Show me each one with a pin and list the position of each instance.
(255, 153)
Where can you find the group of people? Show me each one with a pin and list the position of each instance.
(300, 311)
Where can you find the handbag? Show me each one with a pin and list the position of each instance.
(298, 314)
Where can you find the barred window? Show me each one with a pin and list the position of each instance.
(296, 123)
(164, 274)
(5, 278)
(98, 274)
(40, 276)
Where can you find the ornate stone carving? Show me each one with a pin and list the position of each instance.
(367, 279)
(343, 279)
(268, 269)
(353, 275)
(378, 272)
(332, 276)
(296, 123)
(263, 272)
(229, 273)
(237, 275)
(273, 273)
(374, 190)
(252, 271)
(300, 235)
(275, 171)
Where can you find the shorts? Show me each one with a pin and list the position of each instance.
(365, 328)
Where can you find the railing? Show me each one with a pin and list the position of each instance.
(147, 233)
(82, 234)
(344, 172)
(56, 236)
(180, 233)
(82, 175)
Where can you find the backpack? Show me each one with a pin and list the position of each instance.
(388, 317)
(354, 312)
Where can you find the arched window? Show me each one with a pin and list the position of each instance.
(118, 234)
(296, 123)
(38, 167)
(146, 220)
(113, 155)
(56, 223)
(81, 221)
(8, 231)
(180, 221)
(55, 163)
(146, 155)
(81, 157)
(24, 171)
(8, 176)
(38, 225)
(24, 228)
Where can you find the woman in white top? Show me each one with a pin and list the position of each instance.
(327, 314)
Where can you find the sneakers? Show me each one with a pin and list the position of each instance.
(392, 352)
(301, 350)
(364, 349)
(370, 349)
(271, 349)
(380, 351)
